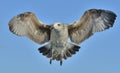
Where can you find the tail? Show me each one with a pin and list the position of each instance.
(59, 54)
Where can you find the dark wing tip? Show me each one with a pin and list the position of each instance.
(25, 14)
(99, 11)
(108, 16)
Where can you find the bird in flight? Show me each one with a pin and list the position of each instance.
(57, 34)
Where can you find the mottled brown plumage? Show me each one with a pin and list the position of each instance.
(58, 47)
(26, 24)
(93, 20)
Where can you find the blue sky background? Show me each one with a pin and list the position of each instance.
(98, 54)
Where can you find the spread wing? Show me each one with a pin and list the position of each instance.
(27, 24)
(93, 20)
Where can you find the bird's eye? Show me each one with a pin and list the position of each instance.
(58, 24)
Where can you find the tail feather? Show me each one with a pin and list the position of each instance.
(68, 53)
(65, 56)
(45, 51)
(76, 48)
(54, 55)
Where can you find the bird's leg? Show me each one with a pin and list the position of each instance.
(61, 55)
(51, 60)
(61, 62)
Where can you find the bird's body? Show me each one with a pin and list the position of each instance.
(58, 47)
(59, 32)
(59, 37)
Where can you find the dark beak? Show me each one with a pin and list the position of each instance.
(51, 27)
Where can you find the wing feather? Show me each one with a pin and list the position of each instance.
(27, 24)
(93, 20)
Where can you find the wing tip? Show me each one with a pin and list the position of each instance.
(102, 10)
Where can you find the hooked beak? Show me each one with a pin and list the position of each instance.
(52, 27)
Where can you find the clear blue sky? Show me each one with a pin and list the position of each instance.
(98, 54)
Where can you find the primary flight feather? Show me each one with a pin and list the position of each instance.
(58, 47)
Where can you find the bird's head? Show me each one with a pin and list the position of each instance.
(58, 26)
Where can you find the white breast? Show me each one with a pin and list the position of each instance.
(58, 36)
